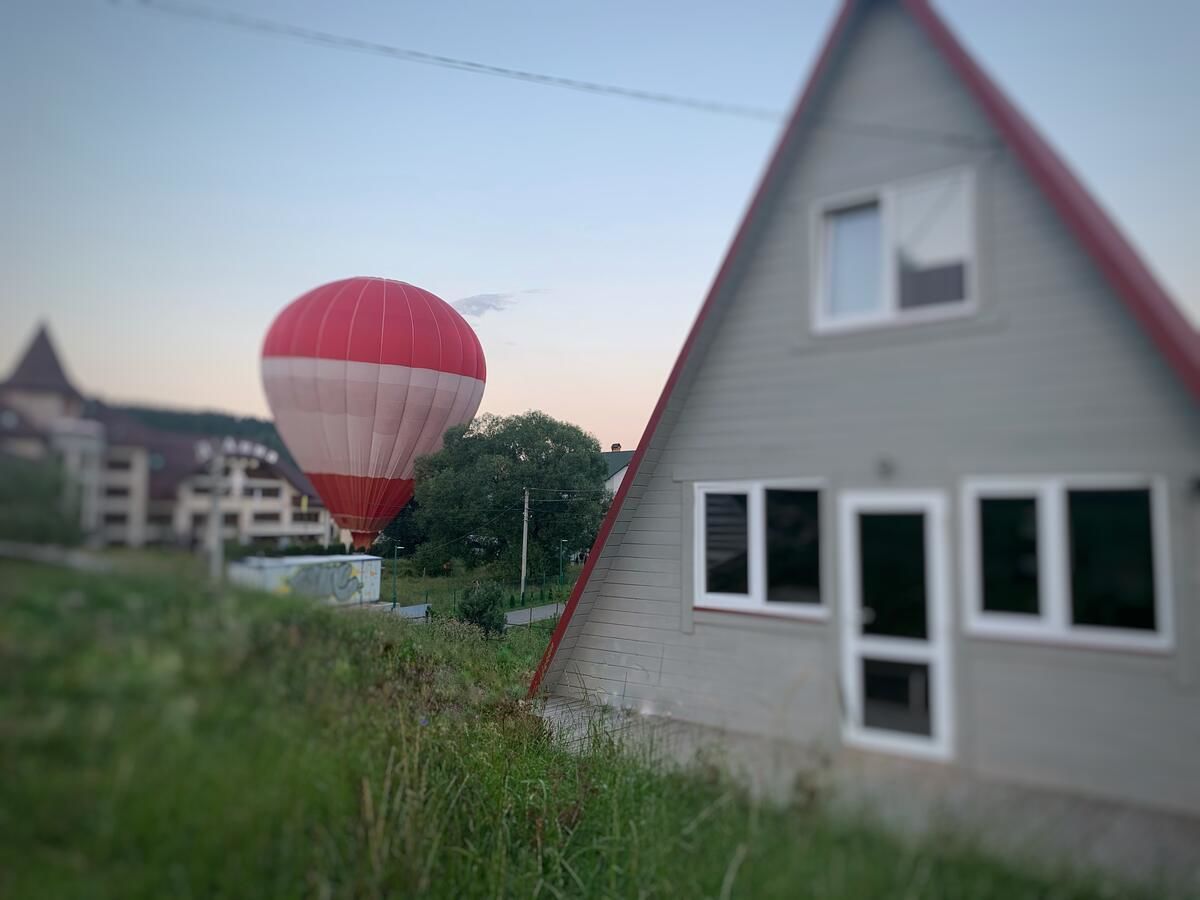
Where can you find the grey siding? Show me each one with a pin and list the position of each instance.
(1050, 376)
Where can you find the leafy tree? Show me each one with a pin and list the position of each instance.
(483, 605)
(474, 486)
(404, 530)
(39, 505)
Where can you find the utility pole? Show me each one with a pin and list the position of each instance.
(524, 544)
(560, 565)
(216, 547)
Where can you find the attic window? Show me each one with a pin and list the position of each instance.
(895, 254)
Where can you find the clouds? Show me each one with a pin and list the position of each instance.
(478, 304)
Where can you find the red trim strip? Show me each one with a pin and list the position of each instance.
(774, 169)
(1178, 341)
(1151, 306)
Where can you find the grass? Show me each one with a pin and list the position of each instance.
(160, 740)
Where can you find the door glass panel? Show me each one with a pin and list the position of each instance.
(892, 574)
(896, 696)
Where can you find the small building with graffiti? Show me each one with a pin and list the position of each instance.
(341, 579)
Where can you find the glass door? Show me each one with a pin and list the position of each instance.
(894, 612)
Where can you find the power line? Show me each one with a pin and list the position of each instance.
(276, 28)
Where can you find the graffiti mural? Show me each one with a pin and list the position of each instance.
(334, 579)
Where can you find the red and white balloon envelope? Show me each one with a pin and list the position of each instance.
(364, 376)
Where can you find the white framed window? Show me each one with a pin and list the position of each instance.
(1068, 559)
(895, 254)
(758, 548)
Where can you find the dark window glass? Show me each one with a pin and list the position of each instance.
(1112, 558)
(270, 492)
(896, 696)
(118, 465)
(892, 571)
(725, 562)
(115, 491)
(1008, 549)
(199, 520)
(230, 518)
(266, 517)
(793, 547)
(114, 519)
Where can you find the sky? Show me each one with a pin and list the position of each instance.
(168, 186)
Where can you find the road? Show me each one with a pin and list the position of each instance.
(523, 616)
(514, 618)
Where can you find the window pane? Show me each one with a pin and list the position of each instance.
(725, 563)
(896, 696)
(1112, 558)
(855, 261)
(1008, 547)
(932, 236)
(892, 573)
(793, 547)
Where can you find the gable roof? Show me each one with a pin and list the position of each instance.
(1131, 280)
(617, 460)
(39, 369)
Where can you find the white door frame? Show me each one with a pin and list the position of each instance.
(934, 651)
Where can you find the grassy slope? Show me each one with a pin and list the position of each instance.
(158, 741)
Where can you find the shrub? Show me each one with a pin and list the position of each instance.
(483, 605)
(39, 504)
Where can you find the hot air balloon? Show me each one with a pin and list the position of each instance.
(364, 376)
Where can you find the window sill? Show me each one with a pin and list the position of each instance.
(812, 614)
(929, 315)
(1080, 638)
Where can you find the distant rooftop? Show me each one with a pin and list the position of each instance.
(617, 460)
(39, 369)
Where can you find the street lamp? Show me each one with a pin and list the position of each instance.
(560, 561)
(396, 548)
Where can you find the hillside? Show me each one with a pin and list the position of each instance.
(160, 740)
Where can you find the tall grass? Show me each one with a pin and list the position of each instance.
(158, 740)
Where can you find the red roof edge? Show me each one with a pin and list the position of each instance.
(840, 26)
(1150, 304)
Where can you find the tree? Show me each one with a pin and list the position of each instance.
(39, 503)
(482, 606)
(404, 530)
(470, 492)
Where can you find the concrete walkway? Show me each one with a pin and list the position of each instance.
(514, 618)
(533, 614)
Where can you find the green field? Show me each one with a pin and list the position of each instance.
(160, 740)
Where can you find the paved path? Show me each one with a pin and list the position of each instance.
(514, 617)
(523, 616)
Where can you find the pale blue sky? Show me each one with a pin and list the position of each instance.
(168, 186)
